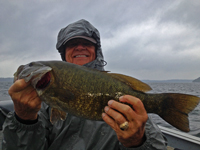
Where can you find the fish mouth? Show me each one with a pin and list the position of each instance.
(44, 81)
(37, 73)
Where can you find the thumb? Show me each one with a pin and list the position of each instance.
(18, 85)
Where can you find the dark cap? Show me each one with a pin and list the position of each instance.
(83, 37)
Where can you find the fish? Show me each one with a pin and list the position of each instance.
(84, 92)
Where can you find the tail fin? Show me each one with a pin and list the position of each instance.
(176, 108)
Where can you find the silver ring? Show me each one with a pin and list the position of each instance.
(124, 125)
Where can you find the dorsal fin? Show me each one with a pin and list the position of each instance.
(132, 82)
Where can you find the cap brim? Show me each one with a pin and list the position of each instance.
(83, 37)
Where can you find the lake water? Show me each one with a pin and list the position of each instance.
(4, 86)
(186, 88)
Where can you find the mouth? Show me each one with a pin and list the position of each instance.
(44, 81)
(78, 56)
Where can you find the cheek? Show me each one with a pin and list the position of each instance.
(93, 54)
(68, 56)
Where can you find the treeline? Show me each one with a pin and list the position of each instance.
(197, 80)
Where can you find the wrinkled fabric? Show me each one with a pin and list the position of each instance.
(74, 133)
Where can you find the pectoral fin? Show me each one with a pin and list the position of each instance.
(132, 82)
(57, 115)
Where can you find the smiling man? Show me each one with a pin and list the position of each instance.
(80, 50)
(123, 128)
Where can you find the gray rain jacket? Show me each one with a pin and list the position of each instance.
(74, 133)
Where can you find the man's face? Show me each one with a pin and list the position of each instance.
(79, 51)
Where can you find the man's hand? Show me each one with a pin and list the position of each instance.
(117, 113)
(25, 99)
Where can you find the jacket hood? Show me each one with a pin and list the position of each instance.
(81, 28)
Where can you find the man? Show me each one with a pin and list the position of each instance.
(124, 128)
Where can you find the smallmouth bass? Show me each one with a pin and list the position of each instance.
(84, 92)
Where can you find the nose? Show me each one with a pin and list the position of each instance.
(80, 46)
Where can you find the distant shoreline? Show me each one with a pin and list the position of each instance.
(168, 81)
(10, 79)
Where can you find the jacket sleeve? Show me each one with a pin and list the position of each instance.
(20, 136)
(155, 140)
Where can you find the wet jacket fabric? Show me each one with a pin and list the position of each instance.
(73, 133)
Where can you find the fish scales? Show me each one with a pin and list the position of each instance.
(84, 92)
(87, 94)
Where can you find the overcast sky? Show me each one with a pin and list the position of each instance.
(146, 39)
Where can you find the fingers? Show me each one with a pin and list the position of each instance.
(124, 109)
(18, 86)
(25, 99)
(110, 122)
(127, 110)
(27, 106)
(131, 110)
(28, 91)
(113, 117)
(21, 89)
(116, 116)
(135, 102)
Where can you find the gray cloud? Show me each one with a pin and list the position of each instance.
(146, 39)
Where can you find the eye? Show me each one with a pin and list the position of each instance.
(71, 44)
(88, 44)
